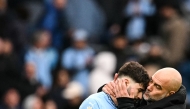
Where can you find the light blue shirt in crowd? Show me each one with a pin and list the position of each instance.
(45, 61)
(76, 59)
(98, 101)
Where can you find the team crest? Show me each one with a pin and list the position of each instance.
(89, 107)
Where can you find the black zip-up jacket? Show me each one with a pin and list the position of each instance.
(175, 101)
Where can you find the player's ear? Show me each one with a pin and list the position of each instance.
(126, 81)
(171, 93)
(115, 76)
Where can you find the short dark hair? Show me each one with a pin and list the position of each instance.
(135, 71)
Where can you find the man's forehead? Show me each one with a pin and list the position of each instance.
(160, 80)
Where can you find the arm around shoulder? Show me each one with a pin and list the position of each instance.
(126, 103)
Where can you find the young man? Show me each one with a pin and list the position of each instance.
(135, 78)
(165, 91)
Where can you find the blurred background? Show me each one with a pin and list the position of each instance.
(55, 53)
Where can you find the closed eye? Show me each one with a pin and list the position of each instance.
(158, 86)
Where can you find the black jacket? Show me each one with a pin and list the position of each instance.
(175, 101)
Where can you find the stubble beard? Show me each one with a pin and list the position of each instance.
(148, 98)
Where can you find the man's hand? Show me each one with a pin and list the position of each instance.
(109, 88)
(122, 91)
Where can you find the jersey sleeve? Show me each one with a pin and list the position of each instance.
(90, 103)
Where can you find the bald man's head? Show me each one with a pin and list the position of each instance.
(169, 78)
(163, 83)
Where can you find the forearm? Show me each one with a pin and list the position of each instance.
(125, 103)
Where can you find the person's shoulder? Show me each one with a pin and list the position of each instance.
(97, 96)
(92, 102)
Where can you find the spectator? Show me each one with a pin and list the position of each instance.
(62, 78)
(43, 56)
(174, 32)
(122, 50)
(13, 27)
(104, 67)
(87, 15)
(11, 100)
(78, 58)
(135, 14)
(113, 10)
(74, 93)
(33, 102)
(54, 20)
(10, 73)
(29, 83)
(154, 58)
(50, 104)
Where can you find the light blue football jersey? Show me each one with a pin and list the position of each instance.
(99, 100)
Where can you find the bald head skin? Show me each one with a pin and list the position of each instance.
(169, 78)
(163, 83)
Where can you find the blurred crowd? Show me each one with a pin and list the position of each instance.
(55, 53)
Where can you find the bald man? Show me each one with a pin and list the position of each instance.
(165, 91)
